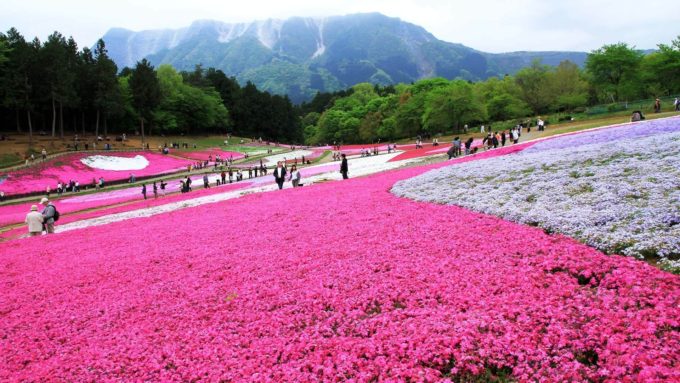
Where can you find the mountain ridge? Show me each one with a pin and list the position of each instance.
(302, 55)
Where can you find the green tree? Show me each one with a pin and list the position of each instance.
(227, 87)
(310, 130)
(126, 116)
(19, 77)
(190, 103)
(331, 126)
(411, 106)
(661, 69)
(568, 86)
(85, 86)
(146, 94)
(58, 76)
(533, 82)
(4, 50)
(451, 107)
(502, 99)
(107, 96)
(614, 71)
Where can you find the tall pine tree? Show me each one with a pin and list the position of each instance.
(146, 93)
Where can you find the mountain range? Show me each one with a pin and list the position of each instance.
(300, 56)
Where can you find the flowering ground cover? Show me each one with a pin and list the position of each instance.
(107, 162)
(617, 189)
(358, 166)
(428, 150)
(203, 155)
(361, 292)
(14, 214)
(608, 134)
(105, 213)
(70, 167)
(273, 159)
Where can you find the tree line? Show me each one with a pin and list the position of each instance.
(368, 113)
(54, 88)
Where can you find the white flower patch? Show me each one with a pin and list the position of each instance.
(288, 156)
(116, 163)
(621, 196)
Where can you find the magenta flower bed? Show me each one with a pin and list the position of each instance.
(203, 155)
(373, 287)
(12, 214)
(135, 202)
(69, 167)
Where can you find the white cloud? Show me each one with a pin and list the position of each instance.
(488, 25)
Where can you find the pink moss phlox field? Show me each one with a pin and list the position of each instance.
(13, 214)
(427, 150)
(363, 286)
(81, 212)
(69, 167)
(204, 155)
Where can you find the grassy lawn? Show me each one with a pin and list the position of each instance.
(9, 159)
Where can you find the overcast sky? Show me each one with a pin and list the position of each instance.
(487, 25)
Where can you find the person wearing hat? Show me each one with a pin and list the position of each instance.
(48, 215)
(35, 221)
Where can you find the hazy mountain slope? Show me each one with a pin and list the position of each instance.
(301, 56)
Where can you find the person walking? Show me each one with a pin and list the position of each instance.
(155, 190)
(295, 176)
(144, 190)
(541, 124)
(34, 220)
(657, 106)
(206, 182)
(468, 145)
(163, 185)
(676, 103)
(451, 152)
(344, 168)
(49, 214)
(280, 174)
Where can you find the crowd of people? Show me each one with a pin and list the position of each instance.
(369, 152)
